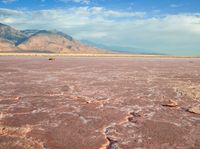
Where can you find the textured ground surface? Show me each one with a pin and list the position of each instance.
(98, 103)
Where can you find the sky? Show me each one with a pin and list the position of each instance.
(169, 27)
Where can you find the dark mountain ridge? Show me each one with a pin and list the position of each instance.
(11, 34)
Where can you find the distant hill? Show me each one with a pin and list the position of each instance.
(43, 41)
(120, 49)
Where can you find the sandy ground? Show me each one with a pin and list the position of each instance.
(99, 103)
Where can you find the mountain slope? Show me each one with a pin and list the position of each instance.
(11, 34)
(29, 32)
(55, 42)
(42, 41)
(7, 46)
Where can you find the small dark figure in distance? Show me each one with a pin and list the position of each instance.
(52, 59)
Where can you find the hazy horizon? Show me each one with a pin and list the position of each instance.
(171, 27)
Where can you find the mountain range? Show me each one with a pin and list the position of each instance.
(121, 49)
(43, 41)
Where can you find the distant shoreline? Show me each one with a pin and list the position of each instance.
(94, 55)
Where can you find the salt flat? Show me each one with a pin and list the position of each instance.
(99, 102)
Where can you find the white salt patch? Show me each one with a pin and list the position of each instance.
(85, 121)
(129, 109)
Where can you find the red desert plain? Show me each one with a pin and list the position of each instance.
(99, 103)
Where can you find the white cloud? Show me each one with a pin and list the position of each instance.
(9, 12)
(171, 34)
(77, 1)
(8, 1)
(110, 13)
(175, 5)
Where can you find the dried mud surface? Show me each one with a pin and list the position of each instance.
(99, 103)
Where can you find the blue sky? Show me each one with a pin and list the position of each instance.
(160, 26)
(166, 6)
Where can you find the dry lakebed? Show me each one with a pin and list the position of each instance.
(99, 103)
